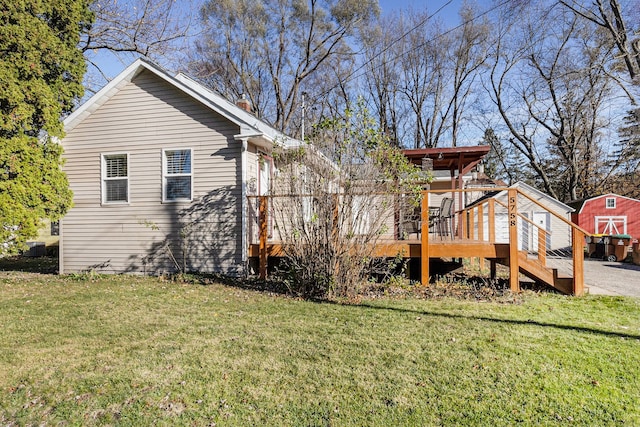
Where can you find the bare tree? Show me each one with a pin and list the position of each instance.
(468, 54)
(333, 200)
(424, 82)
(550, 86)
(157, 29)
(271, 50)
(382, 75)
(620, 25)
(421, 76)
(610, 16)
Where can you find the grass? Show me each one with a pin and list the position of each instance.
(89, 350)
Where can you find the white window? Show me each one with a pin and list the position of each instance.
(611, 202)
(115, 178)
(177, 175)
(265, 166)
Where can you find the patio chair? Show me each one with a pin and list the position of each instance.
(411, 222)
(444, 221)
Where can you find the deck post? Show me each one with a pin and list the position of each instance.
(492, 220)
(262, 247)
(542, 246)
(578, 262)
(424, 235)
(514, 269)
(481, 231)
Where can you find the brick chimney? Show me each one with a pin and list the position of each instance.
(244, 103)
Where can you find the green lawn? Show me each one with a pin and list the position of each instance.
(135, 351)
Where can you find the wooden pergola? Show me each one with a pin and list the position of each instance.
(459, 161)
(453, 159)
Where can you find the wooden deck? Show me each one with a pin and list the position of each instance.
(413, 249)
(428, 246)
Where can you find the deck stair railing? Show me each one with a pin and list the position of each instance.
(550, 248)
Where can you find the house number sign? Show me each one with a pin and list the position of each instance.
(512, 211)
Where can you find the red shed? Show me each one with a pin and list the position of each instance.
(608, 214)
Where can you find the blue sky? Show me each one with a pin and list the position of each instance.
(448, 13)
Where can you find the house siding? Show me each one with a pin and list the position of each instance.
(143, 118)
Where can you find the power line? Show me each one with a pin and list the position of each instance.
(353, 75)
(420, 24)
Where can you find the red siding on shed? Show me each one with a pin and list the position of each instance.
(625, 207)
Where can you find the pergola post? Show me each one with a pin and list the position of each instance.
(424, 235)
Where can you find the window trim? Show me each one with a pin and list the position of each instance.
(104, 178)
(164, 176)
(606, 203)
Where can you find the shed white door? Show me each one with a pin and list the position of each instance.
(542, 220)
(611, 225)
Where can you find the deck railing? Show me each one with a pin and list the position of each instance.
(536, 235)
(542, 235)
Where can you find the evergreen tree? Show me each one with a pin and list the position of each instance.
(41, 71)
(503, 161)
(629, 146)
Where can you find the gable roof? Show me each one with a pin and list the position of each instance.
(527, 189)
(252, 128)
(579, 204)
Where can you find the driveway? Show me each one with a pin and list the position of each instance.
(612, 278)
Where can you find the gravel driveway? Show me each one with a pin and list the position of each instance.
(611, 278)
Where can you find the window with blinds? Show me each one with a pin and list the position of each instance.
(115, 178)
(177, 177)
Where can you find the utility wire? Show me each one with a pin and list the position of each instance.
(353, 75)
(420, 24)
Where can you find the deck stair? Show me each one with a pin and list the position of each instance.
(538, 251)
(536, 270)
